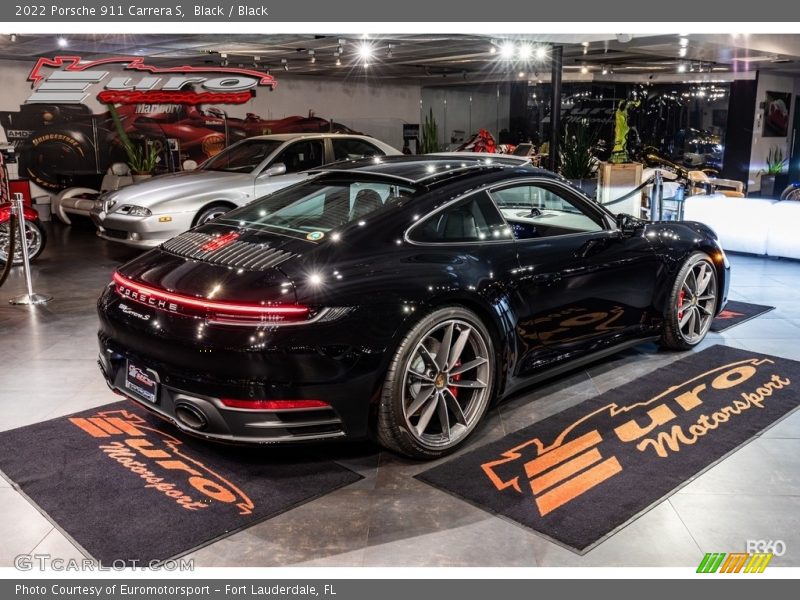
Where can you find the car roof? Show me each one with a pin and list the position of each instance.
(426, 168)
(501, 158)
(285, 137)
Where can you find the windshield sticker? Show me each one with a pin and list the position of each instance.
(315, 236)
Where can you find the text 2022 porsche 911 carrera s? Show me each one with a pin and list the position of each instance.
(396, 298)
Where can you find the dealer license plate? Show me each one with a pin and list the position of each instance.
(141, 382)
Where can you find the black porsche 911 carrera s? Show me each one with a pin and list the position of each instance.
(396, 298)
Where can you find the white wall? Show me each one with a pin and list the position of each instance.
(762, 145)
(467, 109)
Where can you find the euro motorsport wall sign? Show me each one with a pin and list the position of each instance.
(408, 11)
(66, 80)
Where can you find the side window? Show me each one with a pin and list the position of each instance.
(306, 154)
(535, 211)
(473, 219)
(345, 148)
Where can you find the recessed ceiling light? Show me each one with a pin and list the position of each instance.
(541, 52)
(62, 42)
(492, 50)
(521, 74)
(681, 68)
(682, 52)
(584, 69)
(507, 50)
(683, 42)
(365, 51)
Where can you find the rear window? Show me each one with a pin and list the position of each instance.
(315, 207)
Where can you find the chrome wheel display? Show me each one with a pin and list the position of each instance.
(696, 302)
(446, 384)
(33, 237)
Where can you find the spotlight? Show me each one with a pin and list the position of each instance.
(492, 50)
(255, 61)
(524, 51)
(521, 74)
(224, 61)
(285, 64)
(681, 68)
(507, 50)
(605, 71)
(313, 58)
(62, 42)
(338, 62)
(683, 42)
(389, 51)
(541, 52)
(13, 37)
(584, 69)
(682, 52)
(365, 51)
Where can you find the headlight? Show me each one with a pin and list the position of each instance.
(135, 211)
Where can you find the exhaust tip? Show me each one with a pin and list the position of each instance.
(191, 416)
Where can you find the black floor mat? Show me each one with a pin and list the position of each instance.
(736, 313)
(580, 475)
(127, 486)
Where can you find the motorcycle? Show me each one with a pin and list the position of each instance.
(34, 234)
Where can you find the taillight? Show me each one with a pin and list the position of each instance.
(274, 404)
(214, 310)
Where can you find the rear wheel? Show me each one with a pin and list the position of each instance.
(792, 192)
(692, 304)
(438, 386)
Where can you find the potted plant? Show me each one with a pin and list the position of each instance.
(775, 165)
(577, 157)
(430, 135)
(142, 155)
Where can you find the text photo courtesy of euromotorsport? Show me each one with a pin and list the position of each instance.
(132, 10)
(183, 591)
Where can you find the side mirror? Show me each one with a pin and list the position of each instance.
(627, 224)
(189, 165)
(272, 171)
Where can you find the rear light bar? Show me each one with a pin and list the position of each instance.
(274, 404)
(213, 309)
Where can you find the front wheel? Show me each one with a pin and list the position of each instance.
(438, 386)
(209, 213)
(692, 304)
(35, 236)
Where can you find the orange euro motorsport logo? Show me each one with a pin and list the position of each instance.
(157, 459)
(745, 562)
(728, 314)
(578, 459)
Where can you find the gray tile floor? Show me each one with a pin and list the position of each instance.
(47, 369)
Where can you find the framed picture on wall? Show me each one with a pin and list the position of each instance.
(776, 114)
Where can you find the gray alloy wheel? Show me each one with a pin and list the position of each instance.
(34, 236)
(693, 303)
(211, 212)
(439, 385)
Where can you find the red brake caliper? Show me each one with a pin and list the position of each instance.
(453, 389)
(681, 296)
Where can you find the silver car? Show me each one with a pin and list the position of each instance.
(150, 212)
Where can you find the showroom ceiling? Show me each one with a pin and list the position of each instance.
(432, 56)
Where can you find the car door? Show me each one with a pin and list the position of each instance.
(581, 284)
(297, 156)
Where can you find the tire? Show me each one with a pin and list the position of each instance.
(791, 193)
(692, 303)
(422, 384)
(211, 212)
(52, 151)
(37, 239)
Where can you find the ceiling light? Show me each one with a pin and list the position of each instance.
(313, 58)
(585, 44)
(683, 42)
(525, 51)
(13, 37)
(389, 51)
(605, 71)
(541, 52)
(492, 50)
(338, 62)
(584, 69)
(285, 64)
(507, 50)
(365, 51)
(521, 74)
(62, 42)
(682, 68)
(682, 52)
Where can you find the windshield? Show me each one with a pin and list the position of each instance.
(242, 157)
(313, 208)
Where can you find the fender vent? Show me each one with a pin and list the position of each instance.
(236, 254)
